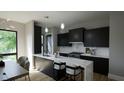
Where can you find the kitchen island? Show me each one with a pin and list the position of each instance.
(86, 64)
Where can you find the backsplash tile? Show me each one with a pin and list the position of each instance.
(79, 47)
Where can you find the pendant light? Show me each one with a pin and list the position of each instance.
(46, 28)
(62, 26)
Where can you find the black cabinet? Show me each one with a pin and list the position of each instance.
(76, 35)
(37, 39)
(64, 54)
(63, 39)
(100, 65)
(98, 37)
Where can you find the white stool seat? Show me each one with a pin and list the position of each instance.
(71, 72)
(59, 65)
(72, 69)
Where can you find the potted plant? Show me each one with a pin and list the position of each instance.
(2, 64)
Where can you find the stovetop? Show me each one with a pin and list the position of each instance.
(76, 53)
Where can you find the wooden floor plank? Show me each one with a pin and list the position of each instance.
(39, 76)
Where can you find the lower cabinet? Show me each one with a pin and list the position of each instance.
(100, 65)
(63, 54)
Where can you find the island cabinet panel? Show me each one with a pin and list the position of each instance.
(43, 65)
(47, 67)
(100, 65)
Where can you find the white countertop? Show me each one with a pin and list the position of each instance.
(45, 57)
(69, 60)
(75, 61)
(101, 56)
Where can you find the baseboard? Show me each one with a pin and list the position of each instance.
(115, 77)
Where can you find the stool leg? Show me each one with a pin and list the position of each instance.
(29, 78)
(70, 77)
(81, 74)
(25, 78)
(67, 76)
(74, 77)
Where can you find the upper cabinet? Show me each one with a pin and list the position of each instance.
(76, 35)
(63, 39)
(98, 37)
(37, 39)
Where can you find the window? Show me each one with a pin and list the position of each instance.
(8, 45)
(49, 44)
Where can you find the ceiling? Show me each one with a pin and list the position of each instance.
(55, 17)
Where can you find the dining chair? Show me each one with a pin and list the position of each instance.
(24, 62)
(72, 71)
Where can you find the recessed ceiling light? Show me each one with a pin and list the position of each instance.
(62, 26)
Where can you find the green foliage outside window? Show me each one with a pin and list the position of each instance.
(7, 42)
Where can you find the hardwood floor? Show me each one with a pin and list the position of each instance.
(100, 77)
(36, 76)
(39, 76)
(96, 77)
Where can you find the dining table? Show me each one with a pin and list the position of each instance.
(12, 71)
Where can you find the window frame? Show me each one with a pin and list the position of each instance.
(16, 53)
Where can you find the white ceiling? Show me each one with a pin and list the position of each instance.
(55, 17)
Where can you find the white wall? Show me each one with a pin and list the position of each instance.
(29, 37)
(94, 23)
(116, 66)
(20, 28)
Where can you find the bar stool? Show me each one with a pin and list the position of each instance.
(59, 70)
(72, 71)
(59, 66)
